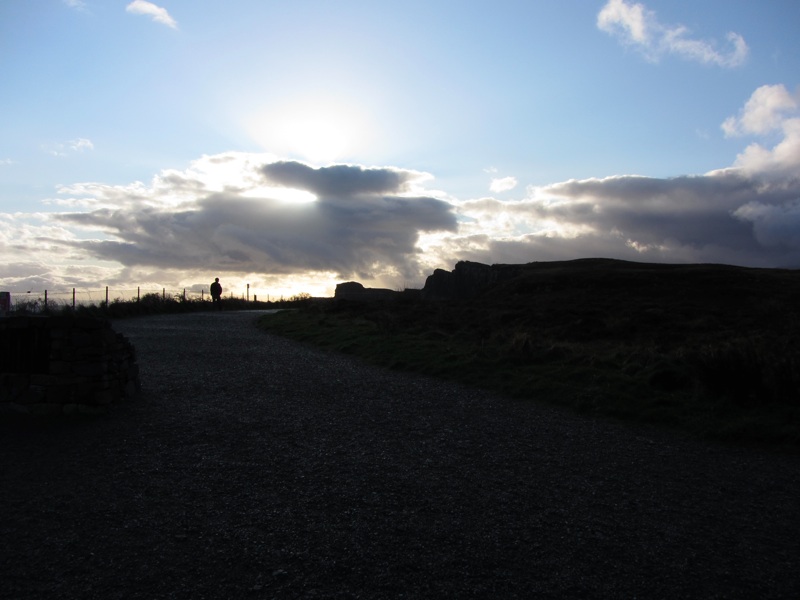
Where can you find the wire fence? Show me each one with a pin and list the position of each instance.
(38, 300)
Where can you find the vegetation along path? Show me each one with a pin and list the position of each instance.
(257, 467)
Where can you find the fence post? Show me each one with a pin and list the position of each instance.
(184, 294)
(138, 288)
(248, 292)
(163, 293)
(106, 296)
(45, 301)
(73, 298)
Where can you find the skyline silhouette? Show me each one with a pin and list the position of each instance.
(289, 147)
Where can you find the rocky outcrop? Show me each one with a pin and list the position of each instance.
(467, 280)
(354, 291)
(64, 365)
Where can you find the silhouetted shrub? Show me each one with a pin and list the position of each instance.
(749, 373)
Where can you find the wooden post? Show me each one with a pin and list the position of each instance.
(248, 292)
(163, 293)
(106, 296)
(184, 294)
(138, 289)
(45, 301)
(73, 298)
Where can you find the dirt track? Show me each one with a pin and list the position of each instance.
(254, 467)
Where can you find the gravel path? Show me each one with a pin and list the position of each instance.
(256, 467)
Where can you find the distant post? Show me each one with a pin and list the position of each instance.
(106, 296)
(137, 293)
(45, 301)
(73, 298)
(248, 292)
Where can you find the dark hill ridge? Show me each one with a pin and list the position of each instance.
(471, 279)
(600, 298)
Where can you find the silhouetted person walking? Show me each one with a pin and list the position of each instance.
(216, 295)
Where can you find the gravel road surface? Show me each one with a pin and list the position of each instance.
(257, 467)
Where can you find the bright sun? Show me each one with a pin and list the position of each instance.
(318, 132)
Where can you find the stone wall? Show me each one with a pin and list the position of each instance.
(64, 365)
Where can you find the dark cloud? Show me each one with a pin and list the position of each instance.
(725, 216)
(692, 210)
(338, 180)
(358, 226)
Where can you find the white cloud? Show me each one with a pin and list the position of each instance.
(637, 26)
(62, 149)
(81, 144)
(76, 4)
(770, 109)
(765, 111)
(780, 162)
(503, 184)
(158, 14)
(632, 22)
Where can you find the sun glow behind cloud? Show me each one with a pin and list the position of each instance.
(319, 131)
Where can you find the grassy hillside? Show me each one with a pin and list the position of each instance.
(712, 350)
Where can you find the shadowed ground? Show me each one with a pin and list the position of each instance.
(256, 467)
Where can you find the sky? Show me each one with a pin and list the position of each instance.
(296, 145)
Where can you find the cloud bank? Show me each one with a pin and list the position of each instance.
(228, 213)
(636, 26)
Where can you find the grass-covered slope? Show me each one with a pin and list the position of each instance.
(709, 349)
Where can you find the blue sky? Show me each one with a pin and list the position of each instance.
(295, 145)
